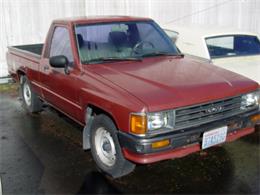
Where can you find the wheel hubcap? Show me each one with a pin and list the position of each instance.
(105, 147)
(27, 94)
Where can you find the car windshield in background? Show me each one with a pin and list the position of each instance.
(233, 45)
(122, 41)
(172, 34)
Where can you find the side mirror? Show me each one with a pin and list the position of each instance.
(59, 61)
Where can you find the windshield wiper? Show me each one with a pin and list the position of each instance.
(162, 54)
(112, 59)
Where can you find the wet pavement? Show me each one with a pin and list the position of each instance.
(41, 154)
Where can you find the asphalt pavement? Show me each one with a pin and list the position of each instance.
(42, 154)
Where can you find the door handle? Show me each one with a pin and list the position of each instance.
(45, 67)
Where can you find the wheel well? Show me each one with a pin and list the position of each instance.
(91, 112)
(19, 74)
(96, 111)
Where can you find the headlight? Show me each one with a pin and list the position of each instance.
(250, 100)
(141, 123)
(159, 120)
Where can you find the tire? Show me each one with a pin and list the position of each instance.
(31, 101)
(106, 150)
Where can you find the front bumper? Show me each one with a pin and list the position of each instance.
(182, 142)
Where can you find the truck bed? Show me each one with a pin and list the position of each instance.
(34, 50)
(22, 56)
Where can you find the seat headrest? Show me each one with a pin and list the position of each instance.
(118, 38)
(80, 40)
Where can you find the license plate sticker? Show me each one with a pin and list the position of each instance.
(214, 137)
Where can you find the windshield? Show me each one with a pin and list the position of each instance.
(122, 40)
(233, 45)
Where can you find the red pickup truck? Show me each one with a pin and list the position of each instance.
(139, 99)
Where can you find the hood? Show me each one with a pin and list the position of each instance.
(248, 66)
(169, 82)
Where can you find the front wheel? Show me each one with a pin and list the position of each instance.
(106, 150)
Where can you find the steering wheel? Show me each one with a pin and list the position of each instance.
(138, 46)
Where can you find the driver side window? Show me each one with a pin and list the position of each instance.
(60, 44)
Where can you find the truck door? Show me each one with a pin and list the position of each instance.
(59, 88)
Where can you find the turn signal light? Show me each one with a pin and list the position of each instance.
(161, 144)
(255, 118)
(138, 124)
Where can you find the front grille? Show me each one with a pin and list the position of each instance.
(208, 112)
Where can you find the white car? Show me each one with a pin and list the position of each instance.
(230, 49)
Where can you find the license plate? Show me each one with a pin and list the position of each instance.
(214, 137)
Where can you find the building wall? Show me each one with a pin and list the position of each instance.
(243, 14)
(27, 21)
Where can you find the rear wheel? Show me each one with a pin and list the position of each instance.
(31, 101)
(106, 150)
